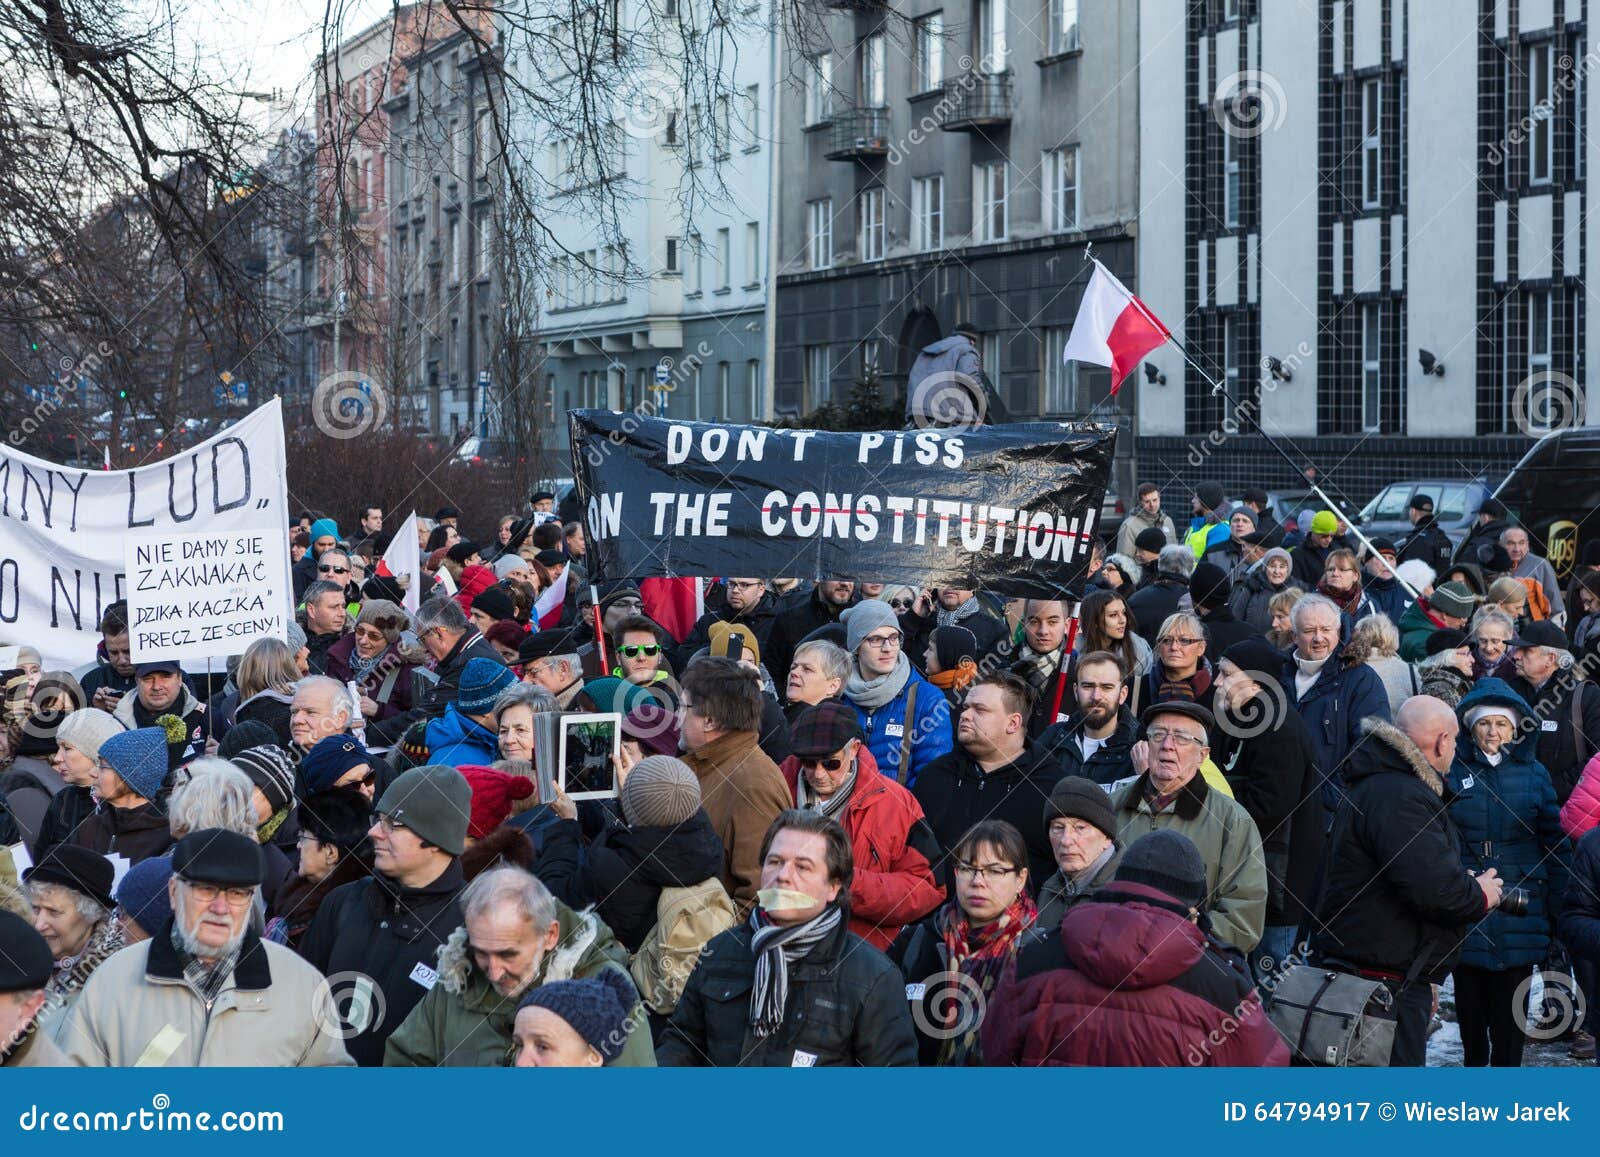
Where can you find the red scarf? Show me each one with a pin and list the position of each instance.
(1349, 601)
(982, 954)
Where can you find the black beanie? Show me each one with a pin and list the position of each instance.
(1150, 538)
(1167, 861)
(1444, 639)
(953, 644)
(245, 734)
(1255, 655)
(1082, 799)
(1209, 585)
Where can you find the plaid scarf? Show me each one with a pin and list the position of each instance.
(1036, 668)
(953, 618)
(775, 947)
(1347, 601)
(980, 954)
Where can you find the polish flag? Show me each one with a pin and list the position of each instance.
(1113, 328)
(547, 607)
(675, 603)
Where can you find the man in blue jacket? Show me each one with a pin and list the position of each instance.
(1332, 698)
(905, 718)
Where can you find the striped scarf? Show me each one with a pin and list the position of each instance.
(980, 954)
(806, 801)
(775, 947)
(953, 618)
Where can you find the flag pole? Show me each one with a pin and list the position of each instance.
(1219, 389)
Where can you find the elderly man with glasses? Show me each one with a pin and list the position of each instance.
(207, 990)
(385, 932)
(1172, 795)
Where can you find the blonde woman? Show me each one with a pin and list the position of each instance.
(1375, 641)
(266, 679)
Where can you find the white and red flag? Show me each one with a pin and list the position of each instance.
(1113, 328)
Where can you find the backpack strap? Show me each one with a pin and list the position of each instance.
(905, 736)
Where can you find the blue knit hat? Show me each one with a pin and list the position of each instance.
(329, 758)
(324, 527)
(140, 758)
(597, 1008)
(143, 893)
(482, 680)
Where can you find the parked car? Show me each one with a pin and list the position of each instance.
(1455, 507)
(1555, 492)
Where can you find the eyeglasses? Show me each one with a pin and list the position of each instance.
(1159, 735)
(995, 872)
(744, 584)
(634, 650)
(370, 777)
(208, 893)
(882, 642)
(627, 605)
(388, 825)
(1178, 641)
(366, 632)
(324, 568)
(831, 763)
(900, 604)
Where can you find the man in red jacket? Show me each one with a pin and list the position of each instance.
(1133, 978)
(831, 771)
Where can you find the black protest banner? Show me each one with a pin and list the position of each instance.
(1010, 509)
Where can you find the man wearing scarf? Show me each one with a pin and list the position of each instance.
(818, 994)
(1044, 629)
(905, 718)
(831, 773)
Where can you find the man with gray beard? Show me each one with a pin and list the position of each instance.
(207, 990)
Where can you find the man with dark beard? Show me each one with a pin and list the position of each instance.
(1096, 742)
(207, 991)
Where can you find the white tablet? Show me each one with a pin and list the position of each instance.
(591, 745)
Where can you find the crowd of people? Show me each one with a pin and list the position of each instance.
(856, 822)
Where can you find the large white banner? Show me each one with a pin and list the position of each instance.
(64, 532)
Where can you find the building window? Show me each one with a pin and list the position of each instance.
(724, 126)
(691, 281)
(990, 48)
(1063, 26)
(869, 358)
(1541, 112)
(1230, 354)
(752, 386)
(752, 253)
(752, 116)
(1371, 144)
(1230, 179)
(672, 256)
(1060, 376)
(485, 243)
(871, 91)
(455, 249)
(927, 213)
(989, 187)
(819, 233)
(724, 402)
(1061, 188)
(819, 90)
(927, 52)
(1371, 368)
(1230, 10)
(724, 258)
(1541, 317)
(1580, 143)
(818, 366)
(869, 224)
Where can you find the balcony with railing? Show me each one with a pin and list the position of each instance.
(859, 133)
(976, 101)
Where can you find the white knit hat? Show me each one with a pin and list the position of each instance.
(1488, 710)
(87, 728)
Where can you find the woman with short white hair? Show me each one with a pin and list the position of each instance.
(71, 892)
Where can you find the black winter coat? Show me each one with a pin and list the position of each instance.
(1396, 885)
(623, 870)
(1274, 777)
(470, 646)
(1580, 915)
(1307, 562)
(1251, 601)
(384, 931)
(758, 619)
(790, 628)
(1111, 763)
(1151, 605)
(70, 807)
(1223, 630)
(1427, 543)
(955, 794)
(1563, 752)
(135, 832)
(847, 1006)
